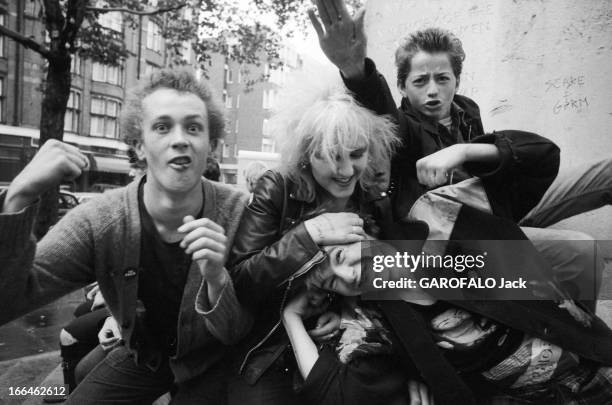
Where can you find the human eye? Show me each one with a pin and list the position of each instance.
(161, 127)
(443, 79)
(357, 153)
(194, 128)
(419, 81)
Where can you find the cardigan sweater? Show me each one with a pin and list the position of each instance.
(100, 240)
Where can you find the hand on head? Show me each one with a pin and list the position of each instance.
(342, 38)
(335, 228)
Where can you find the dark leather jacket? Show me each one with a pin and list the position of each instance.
(271, 252)
(528, 165)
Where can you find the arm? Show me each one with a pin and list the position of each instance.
(216, 299)
(342, 39)
(226, 319)
(32, 275)
(527, 166)
(372, 380)
(262, 259)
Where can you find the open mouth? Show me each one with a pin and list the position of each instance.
(433, 103)
(180, 162)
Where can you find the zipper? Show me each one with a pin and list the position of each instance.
(316, 259)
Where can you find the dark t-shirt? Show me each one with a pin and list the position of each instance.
(164, 270)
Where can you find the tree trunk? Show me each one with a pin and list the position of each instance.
(55, 98)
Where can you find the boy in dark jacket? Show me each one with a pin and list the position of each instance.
(434, 121)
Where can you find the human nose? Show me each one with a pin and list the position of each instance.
(179, 137)
(344, 167)
(432, 88)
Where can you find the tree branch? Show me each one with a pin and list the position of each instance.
(136, 12)
(25, 41)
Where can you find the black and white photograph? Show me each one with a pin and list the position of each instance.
(306, 202)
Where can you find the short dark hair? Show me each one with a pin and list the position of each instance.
(431, 40)
(182, 80)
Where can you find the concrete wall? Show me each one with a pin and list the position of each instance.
(537, 65)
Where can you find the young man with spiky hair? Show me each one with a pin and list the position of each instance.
(157, 248)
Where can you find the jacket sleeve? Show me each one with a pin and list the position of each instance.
(373, 91)
(31, 274)
(528, 165)
(368, 380)
(226, 319)
(261, 259)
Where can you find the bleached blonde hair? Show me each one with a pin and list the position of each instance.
(319, 116)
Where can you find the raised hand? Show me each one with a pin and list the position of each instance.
(335, 228)
(54, 162)
(342, 38)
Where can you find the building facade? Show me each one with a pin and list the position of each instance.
(96, 96)
(98, 92)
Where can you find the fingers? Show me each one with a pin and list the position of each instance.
(189, 224)
(316, 24)
(359, 23)
(201, 228)
(327, 324)
(413, 390)
(324, 12)
(210, 255)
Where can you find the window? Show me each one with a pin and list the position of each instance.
(228, 100)
(154, 38)
(236, 127)
(228, 74)
(73, 112)
(112, 20)
(267, 69)
(267, 145)
(150, 68)
(236, 150)
(269, 99)
(1, 99)
(226, 150)
(1, 37)
(238, 101)
(107, 73)
(230, 178)
(104, 117)
(265, 131)
(76, 65)
(277, 76)
(239, 74)
(186, 51)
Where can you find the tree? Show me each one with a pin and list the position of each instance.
(229, 27)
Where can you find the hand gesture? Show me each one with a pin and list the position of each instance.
(110, 334)
(434, 170)
(306, 304)
(342, 38)
(54, 162)
(328, 326)
(335, 228)
(206, 242)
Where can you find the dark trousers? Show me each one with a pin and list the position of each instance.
(119, 380)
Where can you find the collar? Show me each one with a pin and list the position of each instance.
(362, 195)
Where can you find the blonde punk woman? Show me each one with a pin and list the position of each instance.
(335, 159)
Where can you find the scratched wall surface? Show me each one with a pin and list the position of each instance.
(538, 65)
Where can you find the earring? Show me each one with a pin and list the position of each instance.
(304, 165)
